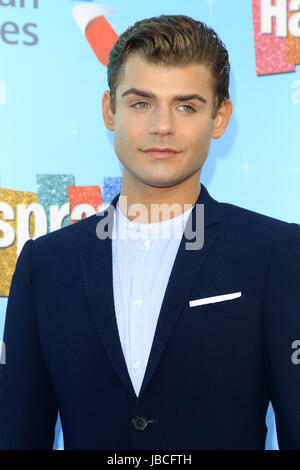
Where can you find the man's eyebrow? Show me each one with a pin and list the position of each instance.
(135, 91)
(195, 96)
(148, 94)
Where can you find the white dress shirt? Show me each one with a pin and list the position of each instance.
(143, 256)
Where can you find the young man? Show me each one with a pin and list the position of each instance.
(146, 341)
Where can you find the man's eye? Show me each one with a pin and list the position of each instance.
(140, 105)
(189, 109)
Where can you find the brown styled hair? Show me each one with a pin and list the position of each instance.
(171, 40)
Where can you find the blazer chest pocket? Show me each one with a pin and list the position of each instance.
(231, 303)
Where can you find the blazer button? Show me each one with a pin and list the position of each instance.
(140, 422)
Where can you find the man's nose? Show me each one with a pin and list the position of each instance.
(162, 122)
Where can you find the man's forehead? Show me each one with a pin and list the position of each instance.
(139, 73)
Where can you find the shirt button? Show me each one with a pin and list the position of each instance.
(137, 364)
(147, 243)
(138, 302)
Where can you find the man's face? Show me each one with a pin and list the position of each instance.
(162, 107)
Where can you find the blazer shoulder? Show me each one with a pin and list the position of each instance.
(67, 237)
(238, 213)
(259, 227)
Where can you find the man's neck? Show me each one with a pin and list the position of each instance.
(156, 204)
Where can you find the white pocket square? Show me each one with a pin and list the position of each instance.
(214, 299)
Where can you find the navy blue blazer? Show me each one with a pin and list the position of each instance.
(213, 367)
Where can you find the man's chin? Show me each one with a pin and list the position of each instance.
(161, 183)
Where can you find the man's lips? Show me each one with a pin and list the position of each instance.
(158, 152)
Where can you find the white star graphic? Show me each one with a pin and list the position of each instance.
(210, 3)
(245, 168)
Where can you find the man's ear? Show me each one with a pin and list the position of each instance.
(222, 119)
(108, 116)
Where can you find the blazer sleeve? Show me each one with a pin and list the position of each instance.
(28, 408)
(282, 335)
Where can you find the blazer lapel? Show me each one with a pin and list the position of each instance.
(185, 270)
(96, 257)
(96, 262)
